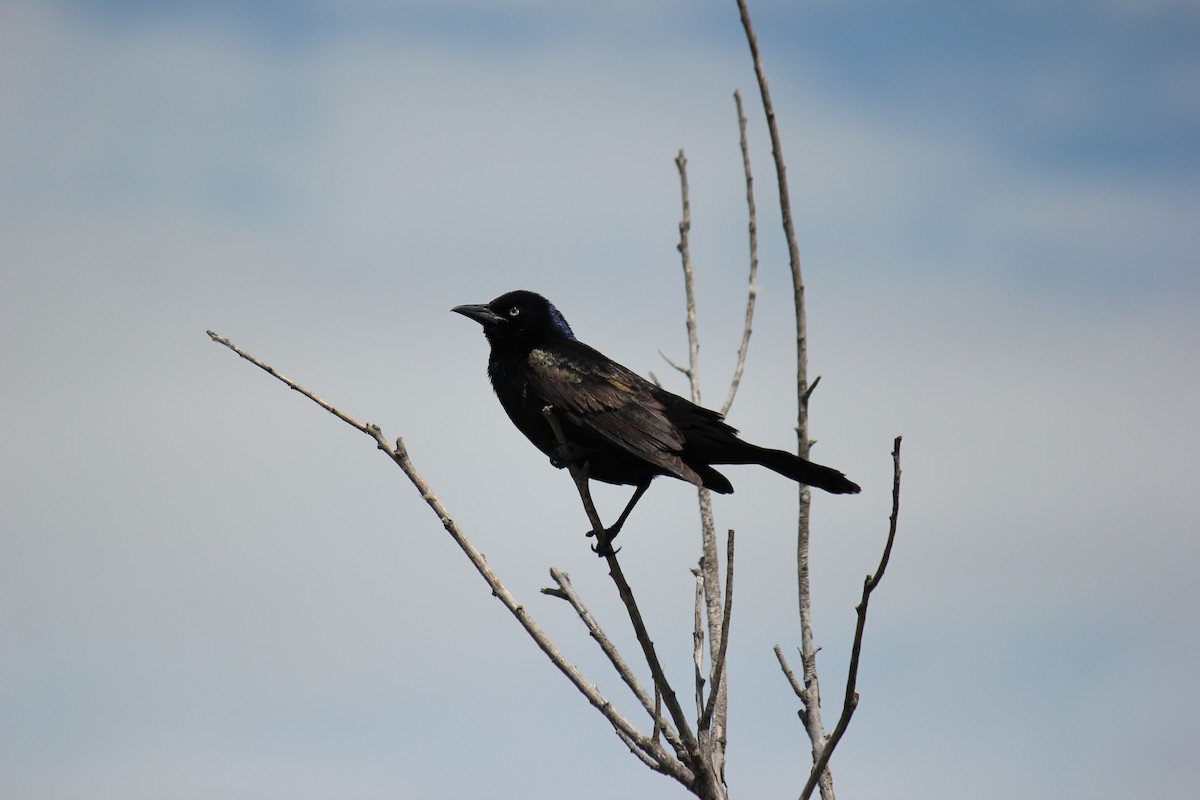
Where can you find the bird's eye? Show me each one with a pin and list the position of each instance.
(514, 311)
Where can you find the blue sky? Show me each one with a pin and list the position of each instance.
(209, 588)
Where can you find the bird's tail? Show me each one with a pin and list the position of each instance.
(804, 471)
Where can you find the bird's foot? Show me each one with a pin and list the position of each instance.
(566, 454)
(604, 539)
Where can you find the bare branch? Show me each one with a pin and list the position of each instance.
(752, 292)
(789, 229)
(664, 761)
(292, 384)
(633, 748)
(698, 640)
(684, 370)
(787, 671)
(709, 567)
(657, 713)
(812, 387)
(850, 702)
(718, 669)
(566, 591)
(689, 278)
(811, 696)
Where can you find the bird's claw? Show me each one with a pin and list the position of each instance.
(566, 454)
(604, 539)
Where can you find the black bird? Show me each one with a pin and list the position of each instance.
(625, 428)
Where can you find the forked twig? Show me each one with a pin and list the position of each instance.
(718, 667)
(710, 572)
(566, 591)
(851, 699)
(791, 676)
(789, 227)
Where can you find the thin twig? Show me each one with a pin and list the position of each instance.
(698, 640)
(664, 762)
(566, 591)
(850, 701)
(633, 748)
(658, 726)
(683, 370)
(689, 280)
(812, 387)
(787, 671)
(718, 669)
(752, 292)
(789, 228)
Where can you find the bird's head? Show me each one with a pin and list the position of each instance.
(518, 317)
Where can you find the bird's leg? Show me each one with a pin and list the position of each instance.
(605, 537)
(576, 459)
(637, 495)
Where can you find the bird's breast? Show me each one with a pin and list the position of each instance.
(522, 405)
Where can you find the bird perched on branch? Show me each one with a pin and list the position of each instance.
(625, 429)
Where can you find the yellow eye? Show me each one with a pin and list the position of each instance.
(514, 311)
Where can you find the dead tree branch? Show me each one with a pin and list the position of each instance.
(851, 699)
(789, 229)
(752, 232)
(791, 676)
(718, 667)
(689, 281)
(566, 591)
(710, 573)
(811, 693)
(698, 638)
(709, 566)
(715, 710)
(658, 758)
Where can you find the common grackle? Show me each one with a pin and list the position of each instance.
(626, 429)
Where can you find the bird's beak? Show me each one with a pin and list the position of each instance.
(480, 313)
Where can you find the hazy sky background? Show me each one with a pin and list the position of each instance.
(209, 588)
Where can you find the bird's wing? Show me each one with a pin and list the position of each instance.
(610, 401)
